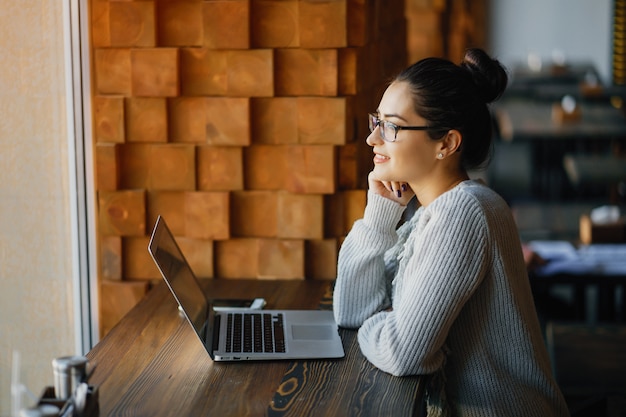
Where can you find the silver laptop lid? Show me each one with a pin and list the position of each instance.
(182, 282)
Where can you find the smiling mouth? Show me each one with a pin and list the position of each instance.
(380, 158)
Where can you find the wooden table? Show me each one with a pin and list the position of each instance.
(151, 364)
(601, 267)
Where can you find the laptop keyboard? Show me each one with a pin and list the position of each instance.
(255, 332)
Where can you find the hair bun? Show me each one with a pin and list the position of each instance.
(488, 74)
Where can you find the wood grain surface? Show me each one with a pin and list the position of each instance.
(152, 364)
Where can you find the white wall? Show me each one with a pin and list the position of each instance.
(581, 29)
(36, 304)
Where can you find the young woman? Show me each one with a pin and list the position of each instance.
(447, 292)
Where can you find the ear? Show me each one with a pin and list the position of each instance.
(451, 143)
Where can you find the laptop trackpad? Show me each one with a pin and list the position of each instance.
(311, 332)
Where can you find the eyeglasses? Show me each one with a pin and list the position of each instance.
(388, 130)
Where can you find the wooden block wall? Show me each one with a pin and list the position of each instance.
(247, 132)
(444, 28)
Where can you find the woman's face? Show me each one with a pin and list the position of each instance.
(412, 156)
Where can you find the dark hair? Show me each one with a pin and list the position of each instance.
(456, 96)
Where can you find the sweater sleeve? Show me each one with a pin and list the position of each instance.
(361, 288)
(448, 262)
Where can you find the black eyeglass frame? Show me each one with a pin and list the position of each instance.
(374, 121)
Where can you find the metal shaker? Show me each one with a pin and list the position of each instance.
(69, 372)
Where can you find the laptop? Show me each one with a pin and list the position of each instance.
(236, 335)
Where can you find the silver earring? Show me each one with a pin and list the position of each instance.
(440, 155)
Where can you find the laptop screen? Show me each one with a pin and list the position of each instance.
(182, 282)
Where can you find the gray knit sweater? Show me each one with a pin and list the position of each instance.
(462, 307)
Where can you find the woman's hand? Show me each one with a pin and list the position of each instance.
(399, 192)
(532, 259)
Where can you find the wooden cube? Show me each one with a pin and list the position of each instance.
(132, 24)
(226, 24)
(219, 168)
(173, 167)
(110, 249)
(361, 13)
(423, 6)
(321, 259)
(227, 121)
(146, 119)
(306, 72)
(323, 24)
(220, 121)
(122, 213)
(355, 163)
(348, 71)
(207, 215)
(117, 298)
(421, 46)
(265, 167)
(100, 24)
(354, 206)
(274, 120)
(354, 75)
(334, 218)
(270, 214)
(199, 254)
(108, 114)
(123, 24)
(201, 215)
(137, 262)
(363, 103)
(234, 73)
(349, 174)
(203, 72)
(254, 214)
(112, 71)
(311, 169)
(107, 167)
(274, 24)
(171, 206)
(264, 258)
(281, 259)
(180, 23)
(323, 120)
(135, 166)
(341, 210)
(300, 216)
(154, 72)
(236, 258)
(158, 167)
(424, 20)
(187, 119)
(250, 73)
